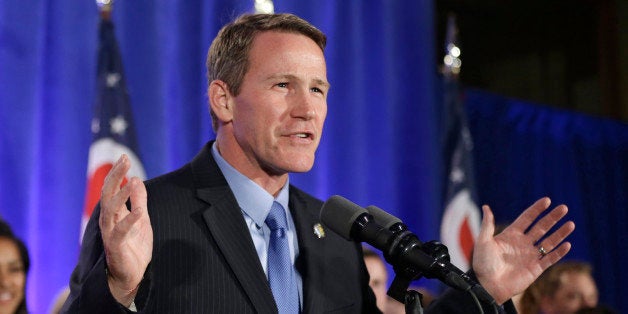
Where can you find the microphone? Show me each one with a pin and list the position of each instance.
(401, 248)
(385, 219)
(433, 248)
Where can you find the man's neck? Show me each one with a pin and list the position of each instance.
(265, 178)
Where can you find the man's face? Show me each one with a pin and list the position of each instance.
(279, 114)
(576, 291)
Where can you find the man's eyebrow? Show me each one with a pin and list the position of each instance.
(280, 76)
(317, 81)
(322, 82)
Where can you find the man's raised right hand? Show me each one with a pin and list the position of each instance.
(127, 235)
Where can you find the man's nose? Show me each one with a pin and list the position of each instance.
(304, 107)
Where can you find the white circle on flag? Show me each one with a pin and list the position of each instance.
(108, 151)
(460, 210)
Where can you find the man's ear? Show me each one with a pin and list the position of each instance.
(220, 100)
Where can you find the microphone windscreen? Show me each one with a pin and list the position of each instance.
(383, 218)
(339, 214)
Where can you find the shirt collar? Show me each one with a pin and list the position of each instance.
(254, 201)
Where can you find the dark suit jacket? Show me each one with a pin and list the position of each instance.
(204, 260)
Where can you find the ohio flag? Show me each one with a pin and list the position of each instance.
(112, 125)
(461, 217)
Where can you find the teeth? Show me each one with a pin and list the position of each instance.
(5, 296)
(302, 135)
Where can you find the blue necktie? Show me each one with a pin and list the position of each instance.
(281, 274)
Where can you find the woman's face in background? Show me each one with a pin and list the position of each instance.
(12, 276)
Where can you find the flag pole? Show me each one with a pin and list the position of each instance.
(112, 126)
(461, 219)
(105, 7)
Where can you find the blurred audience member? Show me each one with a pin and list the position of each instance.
(564, 288)
(596, 310)
(396, 307)
(59, 300)
(14, 264)
(4, 228)
(378, 274)
(378, 277)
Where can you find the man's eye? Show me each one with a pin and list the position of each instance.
(316, 90)
(282, 85)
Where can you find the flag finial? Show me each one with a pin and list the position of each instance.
(264, 6)
(452, 62)
(105, 7)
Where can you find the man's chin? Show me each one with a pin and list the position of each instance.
(301, 168)
(300, 165)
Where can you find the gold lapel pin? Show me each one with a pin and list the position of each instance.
(319, 231)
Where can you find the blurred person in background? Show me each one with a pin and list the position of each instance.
(57, 302)
(600, 309)
(378, 281)
(378, 277)
(395, 307)
(14, 264)
(564, 288)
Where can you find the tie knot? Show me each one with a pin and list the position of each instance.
(276, 218)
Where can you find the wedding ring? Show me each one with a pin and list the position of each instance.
(542, 251)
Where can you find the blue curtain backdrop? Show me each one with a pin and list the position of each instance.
(381, 138)
(524, 151)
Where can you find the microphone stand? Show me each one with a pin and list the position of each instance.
(413, 302)
(398, 290)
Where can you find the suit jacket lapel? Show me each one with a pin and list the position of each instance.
(228, 228)
(310, 262)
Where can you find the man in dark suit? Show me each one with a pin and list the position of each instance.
(198, 240)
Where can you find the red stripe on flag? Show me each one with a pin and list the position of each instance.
(94, 187)
(466, 238)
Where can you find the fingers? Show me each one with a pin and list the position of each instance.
(488, 224)
(531, 214)
(553, 245)
(555, 255)
(138, 194)
(114, 178)
(125, 225)
(113, 198)
(547, 222)
(557, 237)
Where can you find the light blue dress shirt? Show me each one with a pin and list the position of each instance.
(255, 204)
